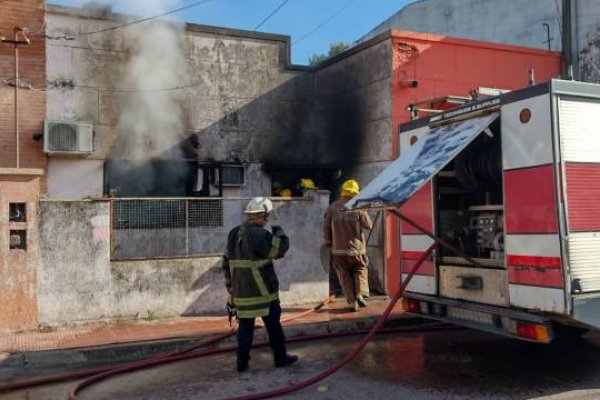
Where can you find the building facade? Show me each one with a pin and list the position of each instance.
(535, 23)
(155, 133)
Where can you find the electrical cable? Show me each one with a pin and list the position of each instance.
(283, 3)
(72, 37)
(325, 22)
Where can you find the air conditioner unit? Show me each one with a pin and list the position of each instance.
(231, 174)
(68, 137)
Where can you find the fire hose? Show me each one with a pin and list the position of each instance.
(54, 378)
(101, 374)
(272, 393)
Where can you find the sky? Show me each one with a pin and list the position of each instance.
(312, 24)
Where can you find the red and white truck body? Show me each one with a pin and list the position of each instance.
(513, 182)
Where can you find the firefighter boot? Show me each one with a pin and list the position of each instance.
(351, 306)
(360, 299)
(242, 364)
(288, 359)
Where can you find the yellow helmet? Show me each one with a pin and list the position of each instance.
(285, 193)
(306, 183)
(351, 186)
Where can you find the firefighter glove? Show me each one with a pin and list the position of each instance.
(277, 230)
(231, 311)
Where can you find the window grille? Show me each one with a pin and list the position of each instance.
(157, 228)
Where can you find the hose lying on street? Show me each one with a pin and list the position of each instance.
(68, 376)
(73, 395)
(100, 374)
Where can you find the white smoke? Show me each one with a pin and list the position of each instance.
(150, 121)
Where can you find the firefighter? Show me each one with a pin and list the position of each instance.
(252, 283)
(285, 193)
(342, 231)
(304, 185)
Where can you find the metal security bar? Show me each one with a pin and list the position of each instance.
(170, 228)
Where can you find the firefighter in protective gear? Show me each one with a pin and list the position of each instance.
(251, 280)
(304, 185)
(342, 230)
(285, 193)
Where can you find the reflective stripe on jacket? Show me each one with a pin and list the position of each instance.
(343, 229)
(248, 266)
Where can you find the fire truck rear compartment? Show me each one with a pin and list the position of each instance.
(469, 214)
(468, 209)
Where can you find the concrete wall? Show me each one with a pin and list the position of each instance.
(74, 178)
(586, 39)
(77, 281)
(518, 22)
(242, 102)
(353, 107)
(512, 22)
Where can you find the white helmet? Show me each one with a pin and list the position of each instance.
(259, 205)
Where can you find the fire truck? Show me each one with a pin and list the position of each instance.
(510, 186)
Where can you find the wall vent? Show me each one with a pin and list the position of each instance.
(68, 137)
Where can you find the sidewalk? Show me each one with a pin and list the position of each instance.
(32, 353)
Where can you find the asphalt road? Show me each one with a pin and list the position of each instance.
(460, 364)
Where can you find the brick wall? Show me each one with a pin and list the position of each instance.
(32, 69)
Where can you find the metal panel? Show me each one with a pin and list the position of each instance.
(584, 260)
(529, 200)
(534, 260)
(421, 284)
(419, 208)
(416, 166)
(409, 260)
(536, 277)
(533, 245)
(579, 129)
(583, 195)
(415, 242)
(537, 298)
(530, 143)
(494, 289)
(411, 136)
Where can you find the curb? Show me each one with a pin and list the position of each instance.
(36, 363)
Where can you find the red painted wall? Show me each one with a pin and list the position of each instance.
(448, 66)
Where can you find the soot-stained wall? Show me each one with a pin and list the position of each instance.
(353, 108)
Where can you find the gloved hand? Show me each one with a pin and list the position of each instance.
(277, 230)
(231, 311)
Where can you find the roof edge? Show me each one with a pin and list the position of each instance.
(433, 37)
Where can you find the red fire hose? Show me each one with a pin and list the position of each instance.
(48, 379)
(273, 393)
(100, 374)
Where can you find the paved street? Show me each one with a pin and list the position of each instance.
(444, 365)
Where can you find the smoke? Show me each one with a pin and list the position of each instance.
(150, 121)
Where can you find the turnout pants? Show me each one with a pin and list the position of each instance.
(352, 274)
(274, 330)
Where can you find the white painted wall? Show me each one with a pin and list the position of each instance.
(74, 178)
